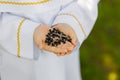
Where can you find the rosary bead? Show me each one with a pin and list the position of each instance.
(56, 37)
(63, 41)
(53, 44)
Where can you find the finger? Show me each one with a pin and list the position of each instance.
(69, 52)
(68, 46)
(74, 40)
(53, 49)
(64, 54)
(63, 47)
(59, 50)
(74, 37)
(40, 44)
(60, 54)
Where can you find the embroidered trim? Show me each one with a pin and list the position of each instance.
(18, 37)
(76, 20)
(24, 3)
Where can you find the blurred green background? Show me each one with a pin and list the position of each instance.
(100, 53)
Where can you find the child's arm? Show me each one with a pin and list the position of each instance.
(80, 15)
(16, 35)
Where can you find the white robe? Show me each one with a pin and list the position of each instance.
(18, 20)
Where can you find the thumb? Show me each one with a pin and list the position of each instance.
(40, 44)
(74, 39)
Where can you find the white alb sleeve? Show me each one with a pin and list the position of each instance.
(16, 35)
(81, 15)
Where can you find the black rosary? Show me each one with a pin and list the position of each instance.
(55, 37)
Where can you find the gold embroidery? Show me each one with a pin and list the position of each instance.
(24, 3)
(76, 20)
(18, 37)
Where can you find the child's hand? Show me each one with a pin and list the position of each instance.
(40, 36)
(67, 29)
